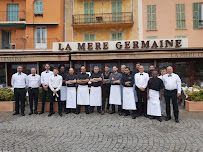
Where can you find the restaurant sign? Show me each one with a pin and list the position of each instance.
(120, 45)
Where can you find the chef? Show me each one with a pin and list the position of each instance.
(115, 90)
(154, 95)
(55, 83)
(128, 93)
(95, 91)
(71, 80)
(83, 91)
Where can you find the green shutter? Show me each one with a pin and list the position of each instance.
(89, 12)
(116, 36)
(116, 11)
(38, 7)
(12, 12)
(180, 16)
(151, 17)
(195, 15)
(89, 37)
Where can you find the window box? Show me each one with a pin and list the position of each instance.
(7, 105)
(194, 106)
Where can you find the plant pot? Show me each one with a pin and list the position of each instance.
(193, 105)
(7, 105)
(47, 105)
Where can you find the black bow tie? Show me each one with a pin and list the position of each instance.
(169, 75)
(33, 75)
(141, 74)
(19, 73)
(55, 75)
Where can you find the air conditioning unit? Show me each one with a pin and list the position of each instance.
(13, 45)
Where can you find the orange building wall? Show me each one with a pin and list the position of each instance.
(166, 21)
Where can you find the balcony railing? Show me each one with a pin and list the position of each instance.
(28, 43)
(12, 16)
(103, 18)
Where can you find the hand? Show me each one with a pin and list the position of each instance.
(113, 79)
(54, 91)
(142, 89)
(45, 87)
(178, 95)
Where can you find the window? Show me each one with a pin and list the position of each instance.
(38, 7)
(89, 12)
(89, 37)
(116, 36)
(41, 37)
(12, 12)
(181, 36)
(2, 75)
(151, 37)
(180, 16)
(151, 17)
(116, 11)
(197, 15)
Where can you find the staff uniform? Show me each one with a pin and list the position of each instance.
(33, 84)
(141, 80)
(106, 90)
(128, 94)
(95, 93)
(63, 87)
(153, 105)
(18, 82)
(172, 84)
(45, 75)
(115, 92)
(163, 98)
(71, 94)
(55, 83)
(83, 97)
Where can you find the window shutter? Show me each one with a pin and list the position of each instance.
(89, 37)
(180, 16)
(195, 15)
(38, 7)
(151, 17)
(116, 36)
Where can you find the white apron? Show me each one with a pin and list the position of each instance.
(115, 95)
(95, 96)
(71, 97)
(63, 93)
(128, 98)
(153, 104)
(83, 97)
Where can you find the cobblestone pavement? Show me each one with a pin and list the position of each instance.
(94, 132)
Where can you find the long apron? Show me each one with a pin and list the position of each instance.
(128, 98)
(95, 96)
(63, 95)
(83, 97)
(115, 95)
(153, 105)
(71, 97)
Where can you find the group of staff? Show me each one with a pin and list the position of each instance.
(137, 91)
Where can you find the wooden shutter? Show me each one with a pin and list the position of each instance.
(89, 37)
(116, 36)
(12, 12)
(180, 16)
(151, 17)
(116, 11)
(38, 7)
(195, 15)
(89, 12)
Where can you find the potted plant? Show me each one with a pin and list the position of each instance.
(7, 100)
(194, 102)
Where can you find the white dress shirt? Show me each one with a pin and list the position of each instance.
(45, 75)
(141, 79)
(33, 81)
(161, 77)
(18, 80)
(55, 82)
(172, 82)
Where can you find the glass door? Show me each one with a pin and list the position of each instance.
(41, 38)
(5, 39)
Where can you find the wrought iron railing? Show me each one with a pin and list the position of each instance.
(12, 16)
(102, 18)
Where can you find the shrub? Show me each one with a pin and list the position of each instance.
(6, 95)
(196, 94)
(40, 96)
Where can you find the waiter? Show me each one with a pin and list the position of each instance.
(63, 91)
(95, 91)
(141, 80)
(128, 93)
(163, 72)
(105, 89)
(172, 91)
(115, 90)
(55, 83)
(154, 95)
(151, 68)
(45, 75)
(33, 84)
(83, 91)
(71, 80)
(137, 68)
(123, 73)
(18, 82)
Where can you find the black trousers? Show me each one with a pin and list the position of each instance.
(105, 94)
(79, 107)
(19, 94)
(92, 108)
(168, 96)
(114, 108)
(142, 101)
(33, 96)
(53, 99)
(44, 95)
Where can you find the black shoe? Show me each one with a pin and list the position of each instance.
(126, 114)
(87, 112)
(75, 112)
(41, 112)
(146, 116)
(53, 113)
(177, 121)
(35, 112)
(99, 111)
(60, 114)
(22, 114)
(120, 113)
(30, 113)
(49, 115)
(112, 112)
(67, 112)
(152, 117)
(134, 117)
(168, 118)
(159, 119)
(15, 113)
(90, 112)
